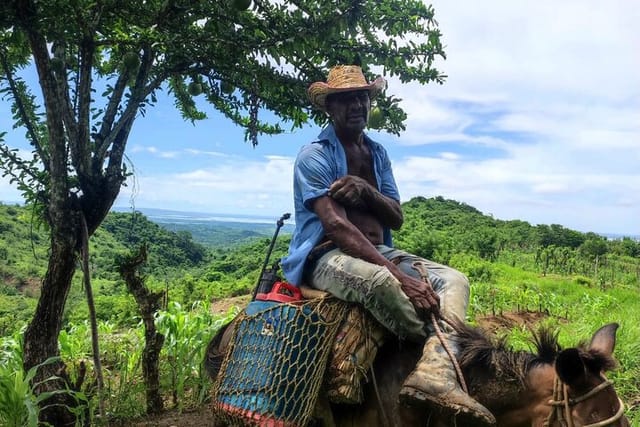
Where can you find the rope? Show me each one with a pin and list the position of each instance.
(369, 338)
(614, 418)
(425, 277)
(274, 365)
(445, 344)
(562, 403)
(385, 420)
(567, 408)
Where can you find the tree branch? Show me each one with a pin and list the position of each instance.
(26, 16)
(108, 119)
(35, 141)
(117, 139)
(82, 144)
(16, 162)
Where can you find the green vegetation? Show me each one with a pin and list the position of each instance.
(574, 282)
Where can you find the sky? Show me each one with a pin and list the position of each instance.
(539, 120)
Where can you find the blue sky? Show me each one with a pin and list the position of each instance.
(539, 120)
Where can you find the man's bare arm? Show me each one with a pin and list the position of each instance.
(346, 236)
(353, 191)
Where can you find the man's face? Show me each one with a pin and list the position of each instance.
(349, 111)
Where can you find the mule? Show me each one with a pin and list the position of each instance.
(549, 388)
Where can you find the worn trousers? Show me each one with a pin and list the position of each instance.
(373, 286)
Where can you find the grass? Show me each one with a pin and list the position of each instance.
(574, 305)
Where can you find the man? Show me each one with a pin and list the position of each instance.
(346, 203)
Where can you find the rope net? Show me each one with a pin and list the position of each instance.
(275, 363)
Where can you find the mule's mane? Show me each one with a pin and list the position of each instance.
(492, 354)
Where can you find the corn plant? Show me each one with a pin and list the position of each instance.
(19, 404)
(186, 337)
(124, 386)
(74, 342)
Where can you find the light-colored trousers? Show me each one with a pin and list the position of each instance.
(355, 280)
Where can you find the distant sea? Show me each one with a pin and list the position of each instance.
(164, 216)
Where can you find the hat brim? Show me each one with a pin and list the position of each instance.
(319, 91)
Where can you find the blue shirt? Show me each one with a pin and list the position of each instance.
(317, 166)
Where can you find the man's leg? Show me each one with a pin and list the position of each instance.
(451, 285)
(355, 280)
(434, 381)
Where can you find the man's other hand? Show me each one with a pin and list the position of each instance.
(424, 298)
(351, 191)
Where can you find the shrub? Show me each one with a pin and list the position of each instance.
(583, 281)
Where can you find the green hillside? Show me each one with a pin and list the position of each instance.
(23, 262)
(574, 282)
(187, 270)
(444, 230)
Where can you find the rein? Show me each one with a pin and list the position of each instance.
(419, 267)
(562, 404)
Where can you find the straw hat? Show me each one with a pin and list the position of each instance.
(343, 78)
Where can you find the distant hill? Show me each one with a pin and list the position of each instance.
(210, 256)
(216, 230)
(430, 225)
(24, 246)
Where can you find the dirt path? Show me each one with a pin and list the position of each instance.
(222, 306)
(199, 417)
(506, 321)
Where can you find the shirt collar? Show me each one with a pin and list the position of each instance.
(329, 134)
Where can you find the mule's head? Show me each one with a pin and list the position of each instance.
(582, 392)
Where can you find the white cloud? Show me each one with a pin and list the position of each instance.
(163, 154)
(235, 186)
(197, 152)
(8, 192)
(548, 93)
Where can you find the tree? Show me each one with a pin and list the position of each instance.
(101, 63)
(593, 248)
(149, 303)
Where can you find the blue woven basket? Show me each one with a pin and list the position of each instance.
(275, 361)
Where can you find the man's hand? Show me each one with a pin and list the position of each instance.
(424, 298)
(351, 191)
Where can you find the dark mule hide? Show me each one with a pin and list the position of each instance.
(516, 386)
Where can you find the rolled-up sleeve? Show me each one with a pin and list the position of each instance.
(313, 174)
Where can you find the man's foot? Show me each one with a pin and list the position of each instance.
(434, 384)
(458, 404)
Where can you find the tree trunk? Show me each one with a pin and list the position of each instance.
(41, 336)
(148, 305)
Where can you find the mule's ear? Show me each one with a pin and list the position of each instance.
(604, 340)
(570, 367)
